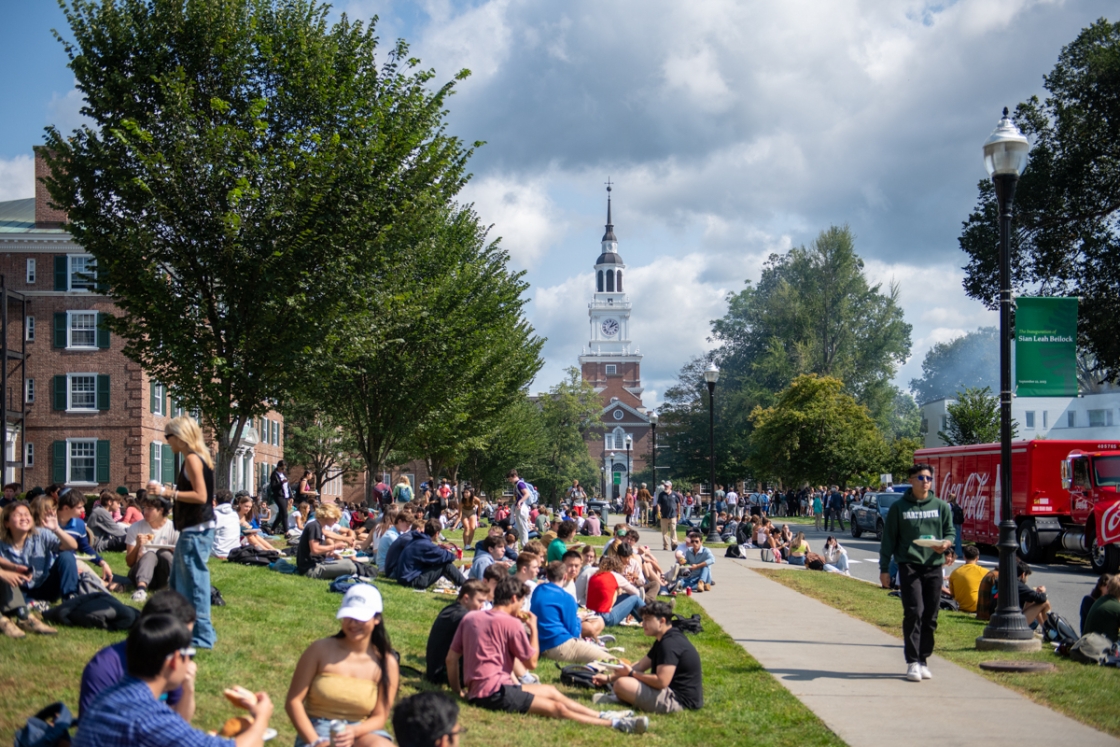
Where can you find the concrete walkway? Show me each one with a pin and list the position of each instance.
(851, 674)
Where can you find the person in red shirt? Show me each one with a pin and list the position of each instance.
(610, 594)
(497, 639)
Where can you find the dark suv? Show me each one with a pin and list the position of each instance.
(870, 514)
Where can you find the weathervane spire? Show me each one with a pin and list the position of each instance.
(609, 235)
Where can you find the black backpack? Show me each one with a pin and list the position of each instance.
(249, 555)
(579, 675)
(743, 532)
(687, 624)
(101, 610)
(1057, 630)
(733, 551)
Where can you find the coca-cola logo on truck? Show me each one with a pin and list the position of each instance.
(972, 495)
(1110, 524)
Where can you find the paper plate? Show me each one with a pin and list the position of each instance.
(156, 546)
(269, 734)
(928, 542)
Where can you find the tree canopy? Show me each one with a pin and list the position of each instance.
(974, 418)
(971, 360)
(1065, 239)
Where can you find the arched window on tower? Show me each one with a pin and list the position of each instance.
(600, 281)
(610, 281)
(619, 280)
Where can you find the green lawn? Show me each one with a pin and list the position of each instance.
(270, 619)
(1086, 693)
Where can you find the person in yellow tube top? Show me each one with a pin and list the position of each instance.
(352, 676)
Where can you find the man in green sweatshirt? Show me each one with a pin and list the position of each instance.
(918, 514)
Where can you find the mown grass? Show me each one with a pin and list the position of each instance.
(1086, 693)
(270, 618)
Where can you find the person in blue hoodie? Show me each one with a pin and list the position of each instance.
(422, 561)
(71, 508)
(558, 623)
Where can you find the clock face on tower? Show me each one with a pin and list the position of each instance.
(610, 327)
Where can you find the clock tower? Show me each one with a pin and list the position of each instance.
(613, 365)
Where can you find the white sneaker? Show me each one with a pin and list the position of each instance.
(637, 725)
(140, 595)
(612, 715)
(914, 672)
(608, 697)
(530, 679)
(926, 674)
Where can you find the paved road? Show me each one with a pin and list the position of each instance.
(1066, 582)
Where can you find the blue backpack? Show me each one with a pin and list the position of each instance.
(46, 727)
(343, 583)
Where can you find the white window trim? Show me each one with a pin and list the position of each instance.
(32, 275)
(70, 274)
(158, 459)
(70, 330)
(29, 454)
(70, 401)
(610, 369)
(29, 391)
(69, 465)
(29, 329)
(161, 401)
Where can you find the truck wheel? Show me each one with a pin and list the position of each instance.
(879, 530)
(1029, 548)
(1103, 558)
(856, 531)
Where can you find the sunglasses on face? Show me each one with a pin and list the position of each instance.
(923, 478)
(187, 653)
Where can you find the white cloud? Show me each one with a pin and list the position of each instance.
(17, 178)
(521, 212)
(698, 75)
(65, 112)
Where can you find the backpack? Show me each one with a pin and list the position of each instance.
(733, 551)
(1091, 648)
(101, 610)
(579, 675)
(768, 555)
(743, 533)
(342, 584)
(814, 562)
(949, 604)
(46, 728)
(1057, 629)
(687, 624)
(249, 555)
(216, 598)
(534, 494)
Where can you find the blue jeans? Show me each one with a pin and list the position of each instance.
(322, 728)
(958, 547)
(190, 576)
(797, 560)
(622, 609)
(841, 563)
(704, 574)
(61, 581)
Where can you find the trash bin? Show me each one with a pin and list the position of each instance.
(603, 509)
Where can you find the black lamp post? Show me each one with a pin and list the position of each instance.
(629, 474)
(711, 376)
(653, 452)
(1005, 157)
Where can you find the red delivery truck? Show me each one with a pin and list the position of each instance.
(1064, 495)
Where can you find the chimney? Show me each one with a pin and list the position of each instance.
(46, 216)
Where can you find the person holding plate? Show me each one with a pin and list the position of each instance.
(918, 531)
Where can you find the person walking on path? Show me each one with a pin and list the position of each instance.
(521, 503)
(918, 514)
(667, 502)
(279, 491)
(835, 510)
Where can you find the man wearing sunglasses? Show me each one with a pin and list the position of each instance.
(130, 713)
(917, 515)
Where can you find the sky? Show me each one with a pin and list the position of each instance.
(730, 130)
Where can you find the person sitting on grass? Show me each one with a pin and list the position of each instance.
(352, 677)
(149, 568)
(526, 570)
(428, 719)
(559, 625)
(44, 555)
(401, 524)
(559, 546)
(497, 531)
(1104, 615)
(472, 596)
(108, 666)
(1091, 598)
(1033, 601)
(674, 681)
(835, 556)
(698, 562)
(488, 643)
(610, 594)
(590, 568)
(591, 625)
(798, 549)
(249, 535)
(71, 509)
(131, 712)
(494, 547)
(423, 562)
(227, 533)
(106, 535)
(315, 554)
(393, 556)
(297, 520)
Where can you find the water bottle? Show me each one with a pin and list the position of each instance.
(337, 727)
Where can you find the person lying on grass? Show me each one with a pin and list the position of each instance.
(487, 644)
(109, 665)
(160, 659)
(353, 677)
(674, 681)
(558, 623)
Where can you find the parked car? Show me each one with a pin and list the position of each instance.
(870, 514)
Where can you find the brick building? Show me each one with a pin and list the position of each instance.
(91, 418)
(613, 365)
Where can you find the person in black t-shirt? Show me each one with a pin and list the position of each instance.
(472, 595)
(315, 554)
(675, 682)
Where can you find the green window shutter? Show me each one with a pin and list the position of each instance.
(102, 332)
(61, 276)
(168, 475)
(102, 461)
(152, 395)
(102, 391)
(58, 458)
(59, 394)
(152, 461)
(60, 329)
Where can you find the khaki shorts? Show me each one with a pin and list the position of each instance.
(657, 701)
(576, 651)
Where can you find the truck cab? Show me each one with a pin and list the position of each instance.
(1093, 482)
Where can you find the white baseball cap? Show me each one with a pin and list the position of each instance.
(362, 602)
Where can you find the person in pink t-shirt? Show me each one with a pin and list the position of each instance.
(497, 638)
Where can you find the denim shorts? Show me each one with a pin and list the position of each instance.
(322, 727)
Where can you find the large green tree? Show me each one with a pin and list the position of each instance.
(816, 433)
(971, 360)
(1066, 227)
(246, 164)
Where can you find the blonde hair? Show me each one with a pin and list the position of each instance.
(403, 480)
(328, 511)
(41, 507)
(185, 428)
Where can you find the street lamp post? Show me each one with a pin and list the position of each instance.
(711, 376)
(653, 453)
(629, 475)
(1005, 157)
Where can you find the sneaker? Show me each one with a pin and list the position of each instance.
(608, 697)
(637, 725)
(35, 625)
(10, 629)
(530, 679)
(606, 639)
(140, 595)
(612, 715)
(914, 672)
(926, 674)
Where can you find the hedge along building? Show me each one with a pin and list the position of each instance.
(92, 418)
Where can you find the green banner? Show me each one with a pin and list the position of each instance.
(617, 478)
(1046, 347)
